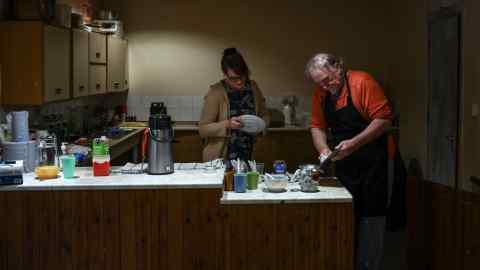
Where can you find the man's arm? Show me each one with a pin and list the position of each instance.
(374, 130)
(320, 140)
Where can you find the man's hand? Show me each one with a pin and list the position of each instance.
(235, 123)
(346, 148)
(324, 154)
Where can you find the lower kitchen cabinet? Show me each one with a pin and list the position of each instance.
(169, 229)
(293, 146)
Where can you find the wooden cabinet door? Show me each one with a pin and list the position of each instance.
(80, 63)
(116, 64)
(98, 48)
(56, 63)
(21, 54)
(98, 77)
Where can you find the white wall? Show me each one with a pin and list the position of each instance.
(175, 46)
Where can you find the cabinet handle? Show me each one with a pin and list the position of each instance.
(58, 91)
(97, 86)
(81, 88)
(97, 55)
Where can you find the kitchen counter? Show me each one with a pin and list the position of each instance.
(130, 142)
(164, 222)
(86, 181)
(259, 196)
(193, 127)
(136, 131)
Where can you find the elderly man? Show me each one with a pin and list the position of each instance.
(352, 105)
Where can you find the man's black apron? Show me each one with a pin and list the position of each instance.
(364, 172)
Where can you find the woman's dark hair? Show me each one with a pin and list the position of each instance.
(233, 60)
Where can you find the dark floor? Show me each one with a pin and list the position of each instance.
(395, 251)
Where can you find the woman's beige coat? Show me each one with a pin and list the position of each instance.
(215, 117)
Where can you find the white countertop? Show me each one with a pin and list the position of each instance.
(181, 179)
(184, 179)
(258, 196)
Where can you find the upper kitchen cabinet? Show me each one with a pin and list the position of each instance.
(80, 63)
(117, 64)
(98, 48)
(35, 61)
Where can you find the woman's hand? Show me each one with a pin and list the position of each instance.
(235, 123)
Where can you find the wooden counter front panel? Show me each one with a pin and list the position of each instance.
(288, 236)
(168, 229)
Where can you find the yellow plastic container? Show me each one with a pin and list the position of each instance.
(47, 172)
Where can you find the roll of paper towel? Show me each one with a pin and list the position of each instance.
(26, 151)
(20, 126)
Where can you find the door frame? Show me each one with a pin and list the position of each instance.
(456, 11)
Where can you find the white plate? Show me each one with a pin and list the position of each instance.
(252, 124)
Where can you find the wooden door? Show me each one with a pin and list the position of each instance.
(441, 247)
(98, 48)
(80, 63)
(444, 91)
(56, 63)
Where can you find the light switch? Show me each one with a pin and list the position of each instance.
(475, 110)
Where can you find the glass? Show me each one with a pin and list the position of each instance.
(260, 168)
(68, 165)
(252, 180)
(47, 148)
(279, 167)
(240, 183)
(228, 185)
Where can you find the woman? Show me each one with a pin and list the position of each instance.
(225, 102)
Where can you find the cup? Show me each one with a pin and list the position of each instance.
(228, 184)
(240, 182)
(68, 165)
(252, 180)
(260, 168)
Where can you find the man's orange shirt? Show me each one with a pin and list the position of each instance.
(367, 96)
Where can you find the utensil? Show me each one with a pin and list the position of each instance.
(329, 158)
(306, 176)
(253, 165)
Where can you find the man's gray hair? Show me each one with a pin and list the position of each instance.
(323, 61)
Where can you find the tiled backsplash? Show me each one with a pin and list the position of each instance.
(189, 108)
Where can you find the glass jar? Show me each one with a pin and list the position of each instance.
(279, 167)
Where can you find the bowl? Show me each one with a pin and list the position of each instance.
(46, 172)
(276, 182)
